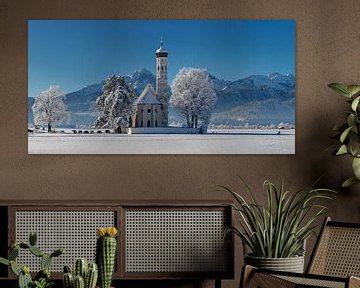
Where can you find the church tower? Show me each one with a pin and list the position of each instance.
(162, 81)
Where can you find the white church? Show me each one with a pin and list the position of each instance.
(151, 108)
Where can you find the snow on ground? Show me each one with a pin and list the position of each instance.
(239, 141)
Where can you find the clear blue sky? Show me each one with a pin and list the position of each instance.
(76, 53)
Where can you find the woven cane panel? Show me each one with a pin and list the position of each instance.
(74, 231)
(175, 241)
(268, 280)
(338, 253)
(308, 282)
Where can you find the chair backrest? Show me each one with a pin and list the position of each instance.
(337, 251)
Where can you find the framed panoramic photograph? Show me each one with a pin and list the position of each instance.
(161, 87)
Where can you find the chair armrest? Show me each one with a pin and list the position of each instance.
(354, 282)
(246, 273)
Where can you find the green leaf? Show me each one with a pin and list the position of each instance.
(354, 145)
(351, 120)
(4, 261)
(280, 227)
(355, 103)
(342, 150)
(353, 89)
(356, 167)
(345, 134)
(340, 88)
(349, 182)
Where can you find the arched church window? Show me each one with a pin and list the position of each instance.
(148, 123)
(158, 68)
(142, 123)
(155, 123)
(149, 110)
(155, 110)
(162, 68)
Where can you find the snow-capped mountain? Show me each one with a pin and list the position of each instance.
(257, 99)
(139, 79)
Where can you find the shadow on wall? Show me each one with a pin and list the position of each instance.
(318, 146)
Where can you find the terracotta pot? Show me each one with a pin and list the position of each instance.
(291, 264)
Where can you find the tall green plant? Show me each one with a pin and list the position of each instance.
(348, 132)
(106, 254)
(279, 229)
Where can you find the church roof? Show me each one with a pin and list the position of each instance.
(147, 96)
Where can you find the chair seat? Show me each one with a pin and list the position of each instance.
(267, 279)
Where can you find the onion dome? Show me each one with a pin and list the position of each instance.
(161, 52)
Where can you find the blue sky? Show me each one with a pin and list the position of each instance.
(76, 53)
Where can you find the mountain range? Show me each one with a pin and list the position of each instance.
(254, 100)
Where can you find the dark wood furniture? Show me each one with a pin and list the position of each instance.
(157, 240)
(335, 262)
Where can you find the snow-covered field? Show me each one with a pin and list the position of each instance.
(240, 141)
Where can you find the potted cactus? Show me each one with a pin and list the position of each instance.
(42, 278)
(84, 275)
(106, 254)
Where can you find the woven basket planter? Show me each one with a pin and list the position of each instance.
(291, 264)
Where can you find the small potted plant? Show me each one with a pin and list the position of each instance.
(348, 132)
(275, 233)
(42, 278)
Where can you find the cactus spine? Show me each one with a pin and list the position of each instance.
(80, 267)
(45, 261)
(79, 282)
(91, 276)
(68, 280)
(106, 254)
(84, 274)
(24, 278)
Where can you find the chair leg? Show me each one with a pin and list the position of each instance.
(217, 283)
(246, 273)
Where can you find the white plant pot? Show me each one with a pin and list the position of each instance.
(291, 264)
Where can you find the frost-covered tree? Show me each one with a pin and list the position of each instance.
(49, 107)
(193, 96)
(115, 103)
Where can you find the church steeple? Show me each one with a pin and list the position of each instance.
(161, 52)
(162, 81)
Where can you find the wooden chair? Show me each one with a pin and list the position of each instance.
(334, 263)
